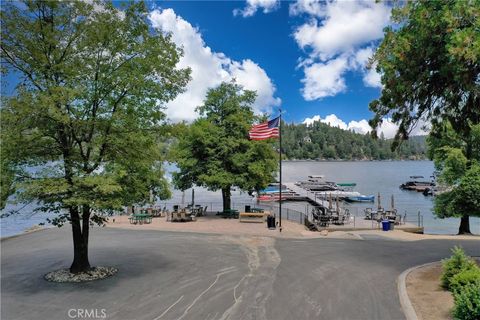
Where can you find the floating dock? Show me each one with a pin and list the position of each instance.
(310, 195)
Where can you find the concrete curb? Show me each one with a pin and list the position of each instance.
(405, 302)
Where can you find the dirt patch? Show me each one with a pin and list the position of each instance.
(429, 299)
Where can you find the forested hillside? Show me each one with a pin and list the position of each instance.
(321, 141)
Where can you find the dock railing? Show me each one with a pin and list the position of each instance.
(301, 211)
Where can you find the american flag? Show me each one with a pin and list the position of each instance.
(265, 130)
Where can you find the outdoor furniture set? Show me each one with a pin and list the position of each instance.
(229, 214)
(186, 214)
(145, 215)
(254, 215)
(324, 218)
(381, 215)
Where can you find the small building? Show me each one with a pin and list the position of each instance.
(307, 139)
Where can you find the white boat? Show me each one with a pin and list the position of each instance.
(317, 183)
(337, 193)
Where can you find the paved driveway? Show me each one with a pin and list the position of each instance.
(166, 275)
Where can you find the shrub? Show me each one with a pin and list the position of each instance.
(470, 276)
(467, 303)
(458, 262)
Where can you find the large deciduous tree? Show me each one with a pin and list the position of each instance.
(215, 152)
(459, 178)
(429, 62)
(86, 114)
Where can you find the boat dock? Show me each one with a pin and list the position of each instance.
(311, 196)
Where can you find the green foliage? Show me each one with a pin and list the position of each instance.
(452, 164)
(215, 151)
(456, 160)
(88, 109)
(467, 302)
(430, 62)
(463, 278)
(457, 263)
(334, 143)
(462, 199)
(442, 135)
(7, 180)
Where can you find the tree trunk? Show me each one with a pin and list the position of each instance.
(226, 198)
(465, 220)
(464, 225)
(80, 239)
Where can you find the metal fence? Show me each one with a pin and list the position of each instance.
(300, 212)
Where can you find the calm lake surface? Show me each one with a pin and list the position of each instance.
(371, 177)
(385, 177)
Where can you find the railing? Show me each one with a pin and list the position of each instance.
(298, 215)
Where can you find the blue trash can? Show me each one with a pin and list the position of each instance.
(385, 225)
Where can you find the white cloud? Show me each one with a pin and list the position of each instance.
(345, 26)
(388, 128)
(252, 77)
(338, 30)
(254, 5)
(310, 121)
(324, 79)
(311, 7)
(209, 69)
(371, 78)
(333, 121)
(361, 126)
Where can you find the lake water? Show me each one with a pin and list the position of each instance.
(371, 177)
(384, 177)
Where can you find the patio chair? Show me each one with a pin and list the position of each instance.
(368, 214)
(315, 216)
(324, 221)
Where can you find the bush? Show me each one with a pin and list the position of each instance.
(458, 262)
(467, 303)
(465, 277)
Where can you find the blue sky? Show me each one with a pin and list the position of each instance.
(268, 40)
(307, 56)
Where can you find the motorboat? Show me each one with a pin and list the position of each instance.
(337, 194)
(419, 186)
(361, 198)
(317, 183)
(272, 188)
(289, 195)
(347, 184)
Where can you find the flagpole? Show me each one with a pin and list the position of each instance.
(280, 166)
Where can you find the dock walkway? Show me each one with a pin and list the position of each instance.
(308, 194)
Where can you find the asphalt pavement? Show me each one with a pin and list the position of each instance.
(167, 275)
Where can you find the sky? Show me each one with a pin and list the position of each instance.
(307, 57)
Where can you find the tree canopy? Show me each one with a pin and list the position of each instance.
(458, 176)
(429, 62)
(430, 67)
(87, 111)
(215, 152)
(321, 141)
